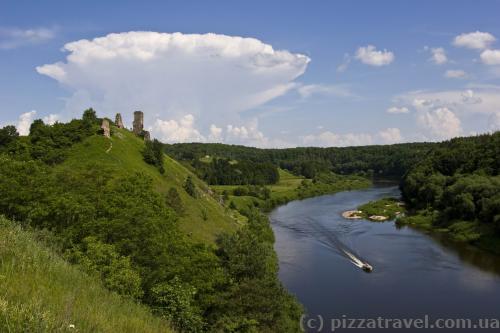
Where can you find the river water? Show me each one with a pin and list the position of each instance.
(414, 274)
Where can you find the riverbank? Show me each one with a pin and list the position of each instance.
(467, 232)
(290, 187)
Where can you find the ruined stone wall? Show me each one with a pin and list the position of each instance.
(105, 128)
(138, 124)
(119, 121)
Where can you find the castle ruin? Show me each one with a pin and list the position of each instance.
(138, 124)
(119, 121)
(105, 128)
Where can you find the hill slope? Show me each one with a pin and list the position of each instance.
(203, 219)
(43, 293)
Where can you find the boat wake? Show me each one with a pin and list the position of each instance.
(329, 239)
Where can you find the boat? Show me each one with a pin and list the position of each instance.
(367, 267)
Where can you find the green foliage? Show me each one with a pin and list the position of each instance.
(459, 179)
(175, 301)
(226, 172)
(174, 201)
(189, 187)
(90, 117)
(153, 154)
(249, 260)
(8, 134)
(117, 225)
(388, 207)
(115, 271)
(384, 161)
(43, 293)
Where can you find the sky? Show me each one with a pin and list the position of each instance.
(257, 73)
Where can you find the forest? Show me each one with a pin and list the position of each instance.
(390, 161)
(456, 187)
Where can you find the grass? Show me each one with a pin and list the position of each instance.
(387, 207)
(204, 217)
(40, 292)
(291, 187)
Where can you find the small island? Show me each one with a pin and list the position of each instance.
(385, 209)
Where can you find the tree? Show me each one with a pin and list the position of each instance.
(174, 201)
(175, 301)
(89, 116)
(8, 134)
(115, 271)
(189, 187)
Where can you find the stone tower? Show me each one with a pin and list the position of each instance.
(105, 128)
(119, 121)
(138, 125)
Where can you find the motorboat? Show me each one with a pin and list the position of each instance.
(367, 267)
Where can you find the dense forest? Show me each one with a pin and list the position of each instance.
(384, 161)
(220, 171)
(457, 187)
(119, 228)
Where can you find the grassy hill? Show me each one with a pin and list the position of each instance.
(40, 292)
(204, 217)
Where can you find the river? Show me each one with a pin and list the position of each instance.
(414, 274)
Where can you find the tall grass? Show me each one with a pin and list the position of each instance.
(40, 292)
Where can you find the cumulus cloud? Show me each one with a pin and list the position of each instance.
(51, 119)
(438, 56)
(370, 56)
(440, 123)
(474, 100)
(455, 74)
(210, 77)
(24, 122)
(308, 90)
(11, 38)
(494, 122)
(215, 134)
(396, 110)
(177, 131)
(331, 139)
(491, 57)
(474, 40)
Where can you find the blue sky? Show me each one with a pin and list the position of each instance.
(319, 73)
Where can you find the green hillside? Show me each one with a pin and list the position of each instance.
(40, 292)
(203, 217)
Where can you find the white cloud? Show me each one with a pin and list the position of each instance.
(330, 139)
(215, 134)
(396, 109)
(248, 133)
(24, 122)
(370, 56)
(438, 56)
(491, 57)
(474, 40)
(51, 119)
(211, 77)
(473, 100)
(455, 74)
(390, 135)
(343, 66)
(494, 122)
(11, 38)
(308, 90)
(440, 123)
(177, 131)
